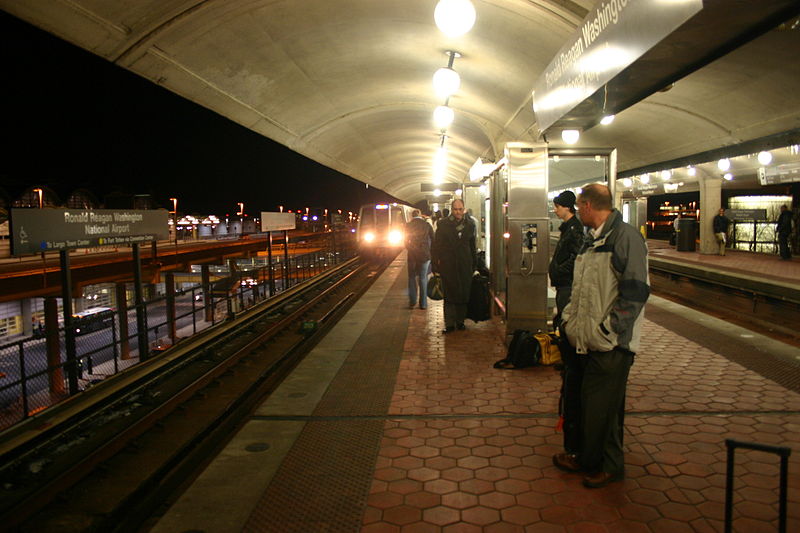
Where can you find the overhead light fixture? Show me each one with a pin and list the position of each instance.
(645, 178)
(666, 175)
(724, 164)
(454, 17)
(437, 192)
(728, 176)
(446, 82)
(691, 171)
(443, 116)
(627, 182)
(458, 192)
(765, 158)
(606, 120)
(570, 136)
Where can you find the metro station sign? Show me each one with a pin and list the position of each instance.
(55, 229)
(612, 37)
(271, 221)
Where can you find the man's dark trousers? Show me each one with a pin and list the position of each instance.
(572, 379)
(605, 378)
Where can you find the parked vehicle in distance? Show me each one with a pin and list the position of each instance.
(92, 319)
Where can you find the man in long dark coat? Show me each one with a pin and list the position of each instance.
(453, 256)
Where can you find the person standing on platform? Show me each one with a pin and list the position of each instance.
(419, 237)
(784, 230)
(720, 225)
(453, 257)
(569, 244)
(603, 322)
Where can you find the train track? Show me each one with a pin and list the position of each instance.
(111, 465)
(771, 309)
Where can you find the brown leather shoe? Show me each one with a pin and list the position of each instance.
(601, 479)
(567, 462)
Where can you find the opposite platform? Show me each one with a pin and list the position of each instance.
(391, 426)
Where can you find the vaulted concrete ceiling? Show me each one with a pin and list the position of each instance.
(348, 82)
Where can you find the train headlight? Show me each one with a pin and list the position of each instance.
(395, 237)
(369, 237)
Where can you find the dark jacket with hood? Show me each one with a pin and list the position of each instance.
(419, 237)
(568, 247)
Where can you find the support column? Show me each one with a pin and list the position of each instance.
(122, 320)
(269, 264)
(55, 374)
(710, 203)
(169, 287)
(27, 317)
(69, 329)
(286, 260)
(141, 316)
(206, 282)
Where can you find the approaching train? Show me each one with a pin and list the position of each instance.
(380, 230)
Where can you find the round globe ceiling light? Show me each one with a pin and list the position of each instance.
(446, 82)
(454, 17)
(570, 136)
(765, 158)
(724, 164)
(443, 116)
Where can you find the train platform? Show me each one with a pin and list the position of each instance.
(769, 268)
(391, 426)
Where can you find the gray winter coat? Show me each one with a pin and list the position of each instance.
(609, 289)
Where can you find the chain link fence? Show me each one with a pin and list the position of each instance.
(35, 373)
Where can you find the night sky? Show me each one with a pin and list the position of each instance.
(73, 120)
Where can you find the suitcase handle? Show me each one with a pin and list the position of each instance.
(784, 453)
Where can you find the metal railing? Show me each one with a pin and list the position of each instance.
(34, 377)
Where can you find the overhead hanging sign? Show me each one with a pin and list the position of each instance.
(611, 37)
(52, 229)
(785, 173)
(277, 221)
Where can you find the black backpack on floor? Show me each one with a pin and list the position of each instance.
(524, 351)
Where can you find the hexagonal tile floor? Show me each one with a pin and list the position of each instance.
(468, 448)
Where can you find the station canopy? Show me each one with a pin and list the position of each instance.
(347, 83)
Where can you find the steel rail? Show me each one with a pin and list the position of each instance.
(36, 499)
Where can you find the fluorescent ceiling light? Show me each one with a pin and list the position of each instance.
(606, 120)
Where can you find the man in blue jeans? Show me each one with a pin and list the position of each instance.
(419, 236)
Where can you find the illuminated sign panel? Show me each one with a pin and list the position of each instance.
(52, 229)
(277, 221)
(611, 37)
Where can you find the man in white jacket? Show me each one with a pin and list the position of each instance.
(602, 323)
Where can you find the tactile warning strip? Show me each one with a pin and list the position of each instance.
(323, 482)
